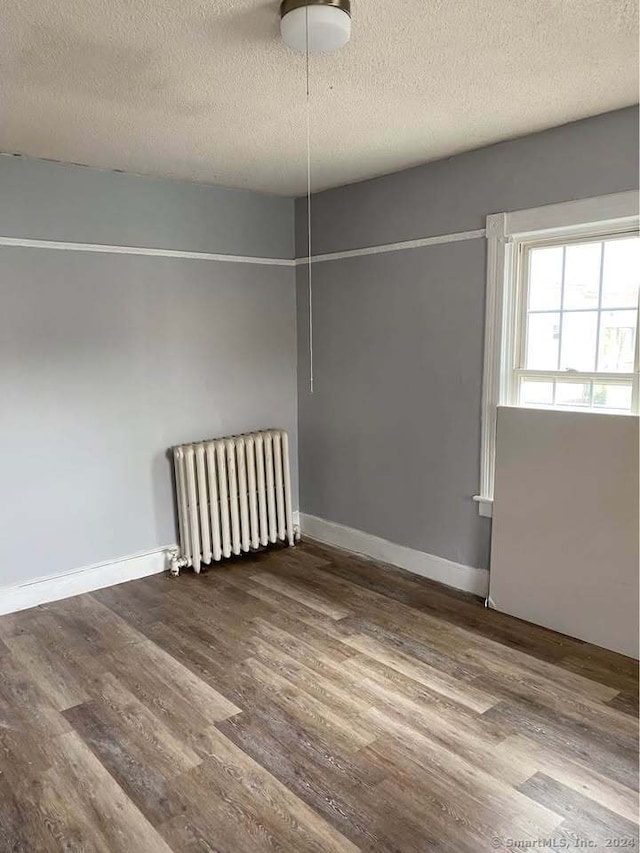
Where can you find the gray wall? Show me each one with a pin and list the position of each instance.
(45, 200)
(108, 360)
(565, 524)
(386, 442)
(390, 440)
(586, 158)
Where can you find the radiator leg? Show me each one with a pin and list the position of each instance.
(297, 535)
(176, 562)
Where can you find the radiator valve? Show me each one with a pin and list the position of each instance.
(176, 562)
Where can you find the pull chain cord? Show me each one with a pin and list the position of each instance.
(309, 207)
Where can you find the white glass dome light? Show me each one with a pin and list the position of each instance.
(329, 24)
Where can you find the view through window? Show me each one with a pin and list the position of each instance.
(577, 338)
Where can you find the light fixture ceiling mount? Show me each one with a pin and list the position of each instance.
(316, 26)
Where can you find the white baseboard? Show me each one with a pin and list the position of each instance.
(438, 569)
(110, 572)
(87, 579)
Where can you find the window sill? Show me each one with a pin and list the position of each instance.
(485, 506)
(584, 410)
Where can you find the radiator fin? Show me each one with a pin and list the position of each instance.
(214, 501)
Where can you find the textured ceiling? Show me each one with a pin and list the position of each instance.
(205, 90)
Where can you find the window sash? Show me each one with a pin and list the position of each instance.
(568, 378)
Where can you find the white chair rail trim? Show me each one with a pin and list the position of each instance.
(103, 248)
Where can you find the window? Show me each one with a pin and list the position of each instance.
(576, 329)
(561, 314)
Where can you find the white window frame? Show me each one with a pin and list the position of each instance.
(505, 233)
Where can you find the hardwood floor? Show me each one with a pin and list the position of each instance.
(306, 700)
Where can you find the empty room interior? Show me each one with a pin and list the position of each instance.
(319, 426)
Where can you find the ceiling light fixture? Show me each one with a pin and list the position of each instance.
(328, 22)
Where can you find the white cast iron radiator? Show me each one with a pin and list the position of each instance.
(233, 496)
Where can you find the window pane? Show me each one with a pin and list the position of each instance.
(579, 341)
(543, 334)
(621, 273)
(535, 393)
(582, 275)
(617, 341)
(573, 394)
(545, 279)
(612, 397)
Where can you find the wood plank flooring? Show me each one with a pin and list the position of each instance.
(307, 700)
